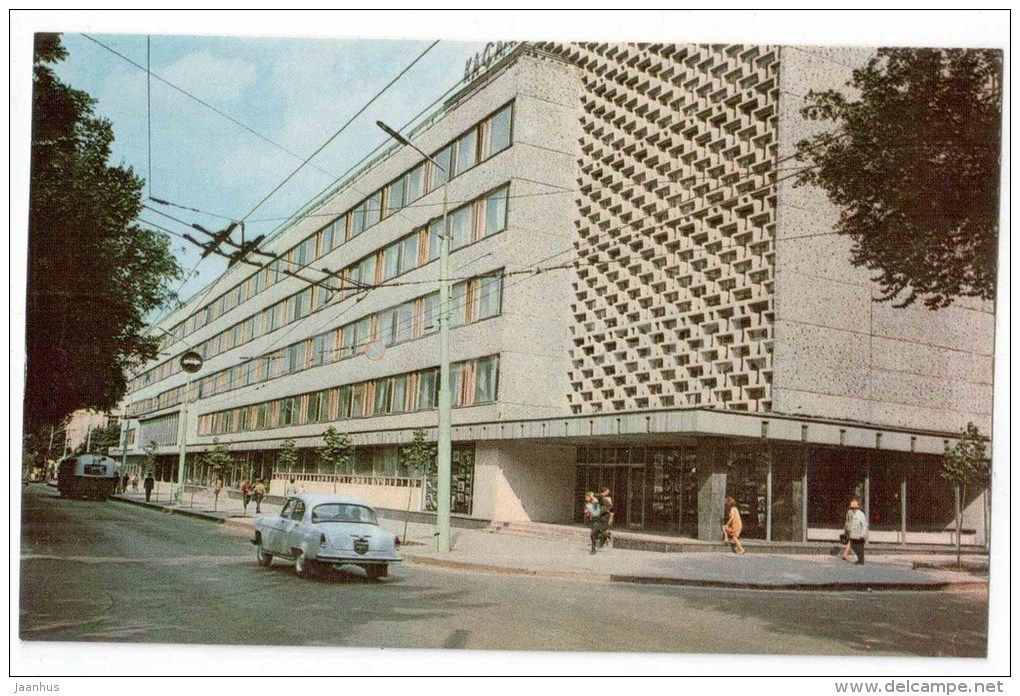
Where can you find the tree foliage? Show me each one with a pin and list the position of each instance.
(219, 457)
(287, 459)
(417, 455)
(966, 463)
(336, 448)
(913, 165)
(93, 274)
(102, 439)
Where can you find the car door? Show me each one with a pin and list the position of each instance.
(272, 538)
(291, 526)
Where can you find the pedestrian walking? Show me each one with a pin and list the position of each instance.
(732, 526)
(856, 530)
(245, 495)
(606, 504)
(217, 489)
(124, 483)
(148, 485)
(134, 483)
(258, 494)
(602, 513)
(292, 489)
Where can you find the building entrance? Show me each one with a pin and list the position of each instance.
(652, 488)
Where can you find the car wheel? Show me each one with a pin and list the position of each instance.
(264, 557)
(377, 571)
(303, 567)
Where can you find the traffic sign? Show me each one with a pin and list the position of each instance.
(191, 361)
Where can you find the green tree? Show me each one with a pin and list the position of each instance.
(93, 273)
(336, 448)
(416, 458)
(913, 165)
(966, 464)
(287, 459)
(105, 438)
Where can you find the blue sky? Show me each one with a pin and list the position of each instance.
(295, 92)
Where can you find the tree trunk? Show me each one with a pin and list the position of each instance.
(407, 513)
(959, 523)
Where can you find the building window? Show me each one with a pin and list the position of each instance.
(358, 220)
(382, 397)
(395, 196)
(485, 380)
(499, 130)
(428, 389)
(373, 209)
(358, 400)
(435, 233)
(445, 160)
(495, 211)
(414, 188)
(460, 227)
(430, 315)
(458, 304)
(344, 403)
(467, 152)
(409, 253)
(391, 261)
(399, 394)
(489, 296)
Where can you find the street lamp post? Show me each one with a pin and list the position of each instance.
(443, 455)
(191, 362)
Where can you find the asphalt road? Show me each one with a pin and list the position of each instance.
(113, 572)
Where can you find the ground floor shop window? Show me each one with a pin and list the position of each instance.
(787, 493)
(747, 471)
(834, 477)
(462, 466)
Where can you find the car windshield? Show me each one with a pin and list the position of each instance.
(343, 512)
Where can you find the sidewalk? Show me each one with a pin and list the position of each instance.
(479, 550)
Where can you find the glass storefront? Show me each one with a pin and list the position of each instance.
(658, 488)
(653, 488)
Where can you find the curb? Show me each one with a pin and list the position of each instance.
(171, 511)
(506, 570)
(683, 582)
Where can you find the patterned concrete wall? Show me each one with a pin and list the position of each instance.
(838, 354)
(672, 298)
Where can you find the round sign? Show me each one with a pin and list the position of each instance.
(375, 349)
(191, 361)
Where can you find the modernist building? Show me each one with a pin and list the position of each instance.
(641, 299)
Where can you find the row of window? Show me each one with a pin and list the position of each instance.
(481, 218)
(472, 382)
(487, 138)
(471, 300)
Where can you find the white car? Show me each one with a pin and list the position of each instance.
(323, 531)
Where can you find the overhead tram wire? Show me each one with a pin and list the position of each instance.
(201, 101)
(306, 160)
(342, 128)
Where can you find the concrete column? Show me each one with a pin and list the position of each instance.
(711, 493)
(803, 499)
